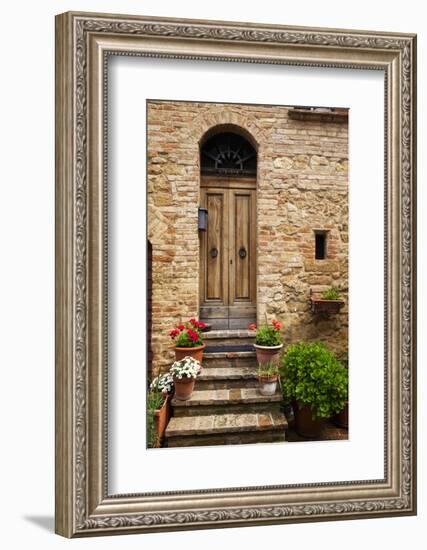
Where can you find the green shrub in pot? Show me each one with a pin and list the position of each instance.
(313, 377)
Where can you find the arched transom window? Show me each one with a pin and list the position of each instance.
(228, 154)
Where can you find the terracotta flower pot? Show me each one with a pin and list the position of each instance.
(341, 418)
(183, 388)
(161, 419)
(195, 353)
(268, 354)
(304, 423)
(267, 384)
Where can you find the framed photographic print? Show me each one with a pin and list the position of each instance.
(235, 274)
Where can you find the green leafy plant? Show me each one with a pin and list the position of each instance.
(268, 335)
(155, 401)
(269, 369)
(331, 294)
(314, 377)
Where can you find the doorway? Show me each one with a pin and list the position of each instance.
(228, 246)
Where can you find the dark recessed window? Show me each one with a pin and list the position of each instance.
(320, 245)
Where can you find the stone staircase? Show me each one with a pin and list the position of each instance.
(226, 406)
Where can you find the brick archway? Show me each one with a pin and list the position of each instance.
(203, 123)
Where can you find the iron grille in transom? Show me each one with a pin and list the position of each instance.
(228, 154)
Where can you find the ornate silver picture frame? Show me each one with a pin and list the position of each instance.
(84, 42)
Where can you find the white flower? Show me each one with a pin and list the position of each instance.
(187, 367)
(162, 383)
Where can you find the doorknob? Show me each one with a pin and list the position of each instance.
(214, 252)
(242, 252)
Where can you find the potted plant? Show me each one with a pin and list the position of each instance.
(163, 384)
(188, 340)
(317, 384)
(341, 418)
(157, 417)
(329, 301)
(268, 376)
(184, 373)
(268, 342)
(159, 410)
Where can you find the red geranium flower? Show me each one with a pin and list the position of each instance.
(181, 327)
(277, 326)
(252, 326)
(173, 333)
(201, 325)
(192, 335)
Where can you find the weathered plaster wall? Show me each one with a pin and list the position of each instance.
(302, 186)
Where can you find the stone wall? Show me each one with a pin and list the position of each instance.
(302, 187)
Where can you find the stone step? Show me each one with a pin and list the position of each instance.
(220, 401)
(221, 338)
(229, 359)
(226, 429)
(244, 438)
(225, 423)
(227, 378)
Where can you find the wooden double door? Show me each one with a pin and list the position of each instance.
(228, 253)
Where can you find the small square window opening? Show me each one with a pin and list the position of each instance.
(320, 245)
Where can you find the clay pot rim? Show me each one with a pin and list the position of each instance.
(185, 379)
(280, 346)
(196, 348)
(304, 406)
(268, 379)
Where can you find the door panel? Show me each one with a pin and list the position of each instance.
(214, 249)
(215, 253)
(242, 218)
(228, 257)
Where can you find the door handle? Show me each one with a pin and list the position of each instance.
(214, 252)
(242, 252)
